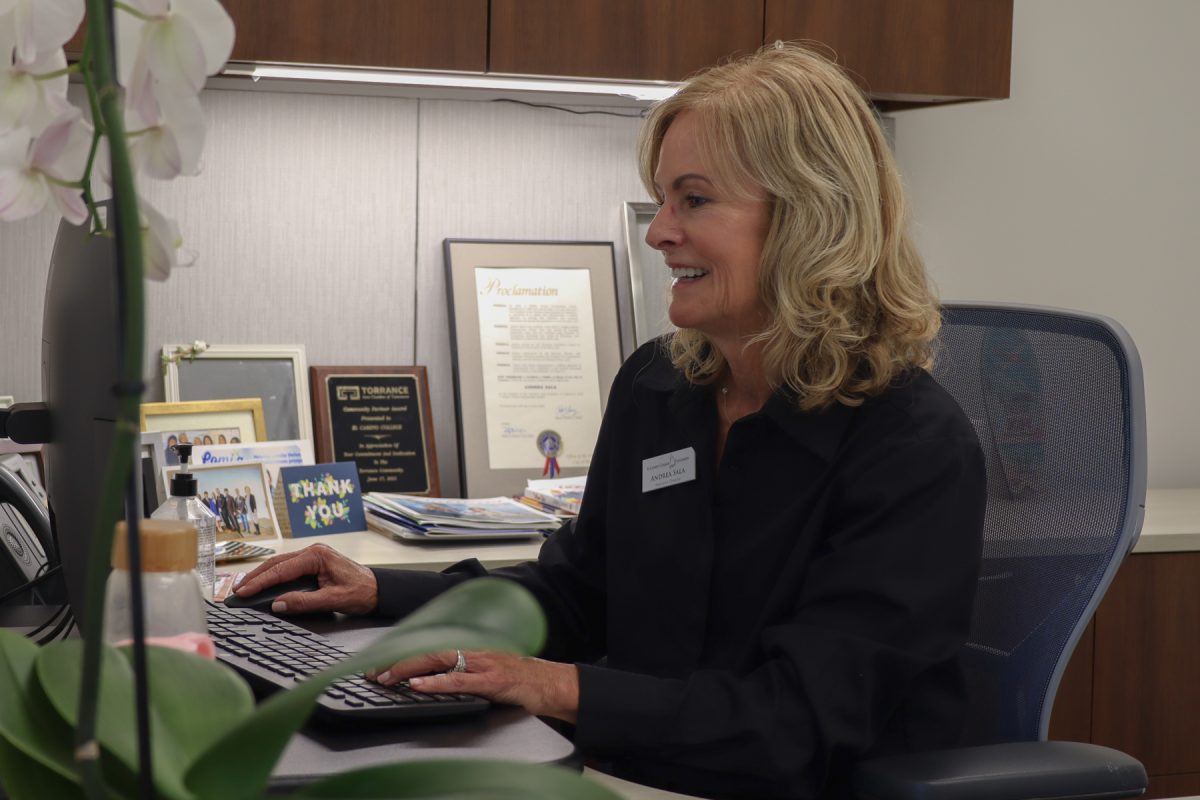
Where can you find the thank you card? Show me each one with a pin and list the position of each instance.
(322, 499)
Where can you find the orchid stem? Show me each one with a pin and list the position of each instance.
(125, 223)
(58, 73)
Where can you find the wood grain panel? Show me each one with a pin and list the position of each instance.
(1071, 719)
(907, 49)
(660, 40)
(426, 34)
(1147, 696)
(1173, 786)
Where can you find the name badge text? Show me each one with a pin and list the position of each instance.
(668, 469)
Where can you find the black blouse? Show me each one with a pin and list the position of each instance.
(755, 631)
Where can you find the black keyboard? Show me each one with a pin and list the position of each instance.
(274, 654)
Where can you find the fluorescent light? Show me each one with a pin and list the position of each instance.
(643, 91)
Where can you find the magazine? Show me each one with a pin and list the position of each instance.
(491, 513)
(561, 494)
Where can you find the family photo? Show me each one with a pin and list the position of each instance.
(239, 497)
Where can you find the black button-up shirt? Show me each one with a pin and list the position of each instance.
(793, 608)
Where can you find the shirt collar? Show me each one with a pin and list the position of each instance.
(819, 431)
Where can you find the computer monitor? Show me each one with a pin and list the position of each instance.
(80, 357)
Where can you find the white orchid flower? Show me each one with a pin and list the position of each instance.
(162, 243)
(40, 26)
(34, 170)
(27, 97)
(166, 139)
(174, 45)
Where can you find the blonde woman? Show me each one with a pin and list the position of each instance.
(773, 568)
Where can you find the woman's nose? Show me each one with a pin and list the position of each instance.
(663, 232)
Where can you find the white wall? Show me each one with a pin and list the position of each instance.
(319, 219)
(1082, 190)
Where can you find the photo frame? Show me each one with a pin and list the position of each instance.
(255, 521)
(153, 459)
(277, 374)
(649, 279)
(244, 413)
(379, 417)
(536, 342)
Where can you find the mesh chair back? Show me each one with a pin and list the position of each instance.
(1056, 399)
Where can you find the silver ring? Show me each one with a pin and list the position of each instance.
(461, 664)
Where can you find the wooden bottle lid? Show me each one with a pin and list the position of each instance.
(167, 545)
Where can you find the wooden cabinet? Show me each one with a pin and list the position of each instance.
(1134, 682)
(629, 39)
(907, 50)
(419, 34)
(902, 51)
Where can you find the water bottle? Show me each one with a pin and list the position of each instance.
(184, 505)
(173, 602)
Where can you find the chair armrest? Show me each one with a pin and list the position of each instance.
(1010, 771)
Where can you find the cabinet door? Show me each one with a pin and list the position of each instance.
(624, 39)
(907, 50)
(1147, 696)
(421, 34)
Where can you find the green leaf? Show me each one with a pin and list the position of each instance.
(490, 780)
(486, 613)
(37, 743)
(193, 702)
(24, 777)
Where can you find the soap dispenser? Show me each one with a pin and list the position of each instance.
(183, 504)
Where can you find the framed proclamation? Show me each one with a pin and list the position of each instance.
(377, 417)
(536, 341)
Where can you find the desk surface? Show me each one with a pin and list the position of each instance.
(1172, 525)
(1172, 521)
(501, 732)
(380, 550)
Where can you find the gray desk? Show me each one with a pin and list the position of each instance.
(502, 732)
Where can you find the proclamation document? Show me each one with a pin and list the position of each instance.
(540, 380)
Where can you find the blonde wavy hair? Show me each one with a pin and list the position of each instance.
(850, 306)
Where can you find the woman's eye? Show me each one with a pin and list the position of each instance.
(695, 200)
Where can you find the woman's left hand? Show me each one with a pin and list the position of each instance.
(544, 688)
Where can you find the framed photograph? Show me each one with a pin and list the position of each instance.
(245, 415)
(276, 374)
(154, 459)
(649, 279)
(535, 338)
(379, 418)
(240, 496)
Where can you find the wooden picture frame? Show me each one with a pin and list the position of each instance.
(401, 423)
(275, 373)
(531, 381)
(244, 413)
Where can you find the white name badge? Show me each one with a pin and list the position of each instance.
(668, 469)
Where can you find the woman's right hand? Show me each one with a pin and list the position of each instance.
(345, 585)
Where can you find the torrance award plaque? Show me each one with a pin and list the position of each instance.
(377, 417)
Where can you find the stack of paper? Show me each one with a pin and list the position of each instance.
(407, 516)
(560, 496)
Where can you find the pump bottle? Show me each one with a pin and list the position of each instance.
(185, 505)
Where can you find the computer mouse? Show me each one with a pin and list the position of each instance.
(263, 600)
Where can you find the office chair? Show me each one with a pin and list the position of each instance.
(1056, 399)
